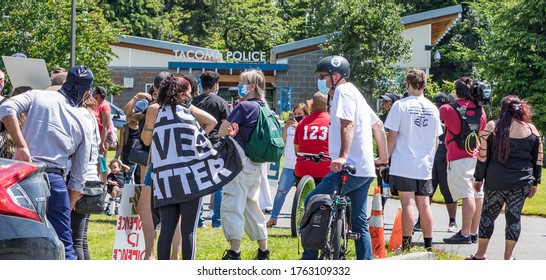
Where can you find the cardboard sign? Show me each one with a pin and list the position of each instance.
(30, 72)
(129, 238)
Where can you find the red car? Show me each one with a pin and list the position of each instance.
(25, 232)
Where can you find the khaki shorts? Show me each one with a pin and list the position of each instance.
(460, 179)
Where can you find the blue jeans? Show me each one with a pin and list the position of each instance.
(356, 188)
(285, 184)
(58, 213)
(216, 221)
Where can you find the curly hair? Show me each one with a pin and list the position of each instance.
(170, 89)
(511, 108)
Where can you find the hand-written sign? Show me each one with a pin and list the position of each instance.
(129, 238)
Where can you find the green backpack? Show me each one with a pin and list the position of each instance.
(265, 143)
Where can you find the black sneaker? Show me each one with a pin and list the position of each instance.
(417, 227)
(262, 255)
(474, 238)
(231, 255)
(458, 238)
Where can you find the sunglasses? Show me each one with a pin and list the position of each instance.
(322, 76)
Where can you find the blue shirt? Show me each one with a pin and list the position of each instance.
(245, 114)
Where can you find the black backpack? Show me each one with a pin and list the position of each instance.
(470, 127)
(315, 222)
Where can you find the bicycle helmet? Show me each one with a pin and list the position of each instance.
(334, 64)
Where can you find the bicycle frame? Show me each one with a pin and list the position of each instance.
(340, 223)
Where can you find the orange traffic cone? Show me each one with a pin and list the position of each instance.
(376, 226)
(395, 243)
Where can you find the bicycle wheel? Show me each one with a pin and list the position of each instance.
(305, 186)
(335, 238)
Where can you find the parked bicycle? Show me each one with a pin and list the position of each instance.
(339, 220)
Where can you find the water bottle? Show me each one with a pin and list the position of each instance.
(386, 190)
(102, 163)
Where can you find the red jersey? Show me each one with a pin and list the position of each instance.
(312, 137)
(452, 122)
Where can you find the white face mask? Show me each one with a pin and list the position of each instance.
(321, 84)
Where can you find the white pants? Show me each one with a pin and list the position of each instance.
(240, 209)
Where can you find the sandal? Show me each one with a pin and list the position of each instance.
(271, 223)
(473, 258)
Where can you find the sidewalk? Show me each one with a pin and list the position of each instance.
(531, 244)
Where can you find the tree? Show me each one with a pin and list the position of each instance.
(514, 52)
(154, 19)
(369, 37)
(305, 18)
(41, 29)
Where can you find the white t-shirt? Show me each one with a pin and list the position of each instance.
(417, 121)
(349, 104)
(289, 154)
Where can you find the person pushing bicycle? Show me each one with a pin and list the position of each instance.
(352, 124)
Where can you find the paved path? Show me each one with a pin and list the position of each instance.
(531, 245)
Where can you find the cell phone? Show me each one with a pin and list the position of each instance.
(290, 116)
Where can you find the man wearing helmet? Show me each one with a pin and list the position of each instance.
(352, 123)
(55, 116)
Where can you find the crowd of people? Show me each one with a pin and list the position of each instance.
(180, 129)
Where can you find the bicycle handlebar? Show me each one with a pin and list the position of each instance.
(346, 168)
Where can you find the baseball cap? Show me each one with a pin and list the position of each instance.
(160, 77)
(390, 97)
(141, 105)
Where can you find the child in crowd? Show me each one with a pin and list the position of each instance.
(116, 179)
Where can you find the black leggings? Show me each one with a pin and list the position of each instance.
(79, 224)
(492, 206)
(169, 215)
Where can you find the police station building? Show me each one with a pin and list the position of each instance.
(288, 68)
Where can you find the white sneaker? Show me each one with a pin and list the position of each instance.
(452, 227)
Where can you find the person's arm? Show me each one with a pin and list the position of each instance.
(347, 133)
(381, 141)
(391, 141)
(224, 128)
(538, 158)
(206, 120)
(148, 129)
(129, 109)
(125, 166)
(481, 164)
(121, 142)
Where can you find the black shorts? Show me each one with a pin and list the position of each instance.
(109, 188)
(419, 187)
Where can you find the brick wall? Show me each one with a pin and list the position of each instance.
(300, 76)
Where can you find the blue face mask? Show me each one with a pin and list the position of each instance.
(322, 87)
(243, 90)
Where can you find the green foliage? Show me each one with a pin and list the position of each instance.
(41, 29)
(370, 39)
(460, 49)
(306, 18)
(514, 56)
(155, 19)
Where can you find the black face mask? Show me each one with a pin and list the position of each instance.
(298, 119)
